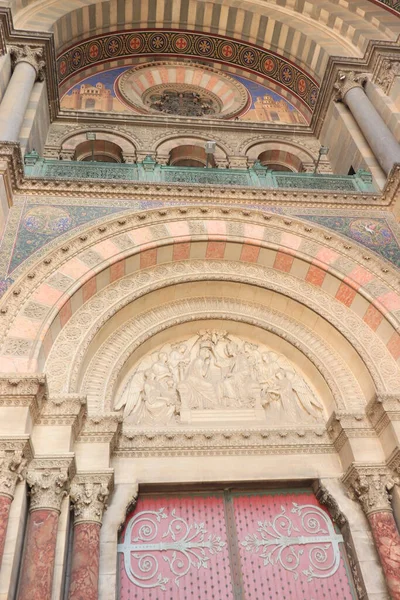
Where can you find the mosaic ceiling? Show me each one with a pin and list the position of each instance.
(196, 46)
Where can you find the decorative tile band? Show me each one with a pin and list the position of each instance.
(189, 44)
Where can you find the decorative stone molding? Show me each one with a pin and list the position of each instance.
(14, 455)
(326, 499)
(32, 55)
(89, 494)
(346, 81)
(49, 480)
(370, 485)
(343, 426)
(388, 71)
(393, 464)
(382, 410)
(222, 441)
(18, 390)
(69, 410)
(101, 429)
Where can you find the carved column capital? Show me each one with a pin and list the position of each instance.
(346, 81)
(49, 482)
(12, 470)
(388, 71)
(89, 494)
(31, 55)
(370, 485)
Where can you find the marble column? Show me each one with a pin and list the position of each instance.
(12, 466)
(369, 484)
(28, 67)
(89, 494)
(349, 90)
(48, 487)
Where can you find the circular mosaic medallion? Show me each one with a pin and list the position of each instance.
(180, 43)
(48, 220)
(205, 46)
(93, 51)
(135, 43)
(158, 41)
(184, 89)
(113, 46)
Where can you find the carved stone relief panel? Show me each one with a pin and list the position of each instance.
(212, 377)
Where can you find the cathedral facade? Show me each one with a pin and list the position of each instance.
(199, 300)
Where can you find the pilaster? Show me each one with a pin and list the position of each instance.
(21, 400)
(384, 414)
(96, 441)
(354, 438)
(58, 425)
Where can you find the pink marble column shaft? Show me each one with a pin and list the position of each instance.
(5, 503)
(387, 541)
(85, 562)
(38, 562)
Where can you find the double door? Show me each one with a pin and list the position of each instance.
(232, 545)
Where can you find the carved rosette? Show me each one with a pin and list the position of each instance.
(12, 470)
(49, 482)
(31, 55)
(346, 81)
(370, 485)
(89, 494)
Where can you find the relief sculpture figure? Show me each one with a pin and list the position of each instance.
(214, 370)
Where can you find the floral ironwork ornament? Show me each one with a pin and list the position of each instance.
(283, 543)
(183, 547)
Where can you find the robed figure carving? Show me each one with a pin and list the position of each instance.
(212, 371)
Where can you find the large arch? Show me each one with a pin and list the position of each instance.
(73, 286)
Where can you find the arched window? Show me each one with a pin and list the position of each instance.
(190, 156)
(280, 160)
(99, 151)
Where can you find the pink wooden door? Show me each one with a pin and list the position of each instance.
(232, 546)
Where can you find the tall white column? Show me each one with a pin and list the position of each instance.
(350, 91)
(28, 66)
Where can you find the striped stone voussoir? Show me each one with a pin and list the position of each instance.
(34, 318)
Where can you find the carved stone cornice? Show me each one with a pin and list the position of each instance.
(370, 485)
(101, 429)
(346, 81)
(18, 389)
(222, 441)
(49, 480)
(389, 69)
(33, 55)
(67, 410)
(343, 426)
(89, 494)
(382, 410)
(14, 456)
